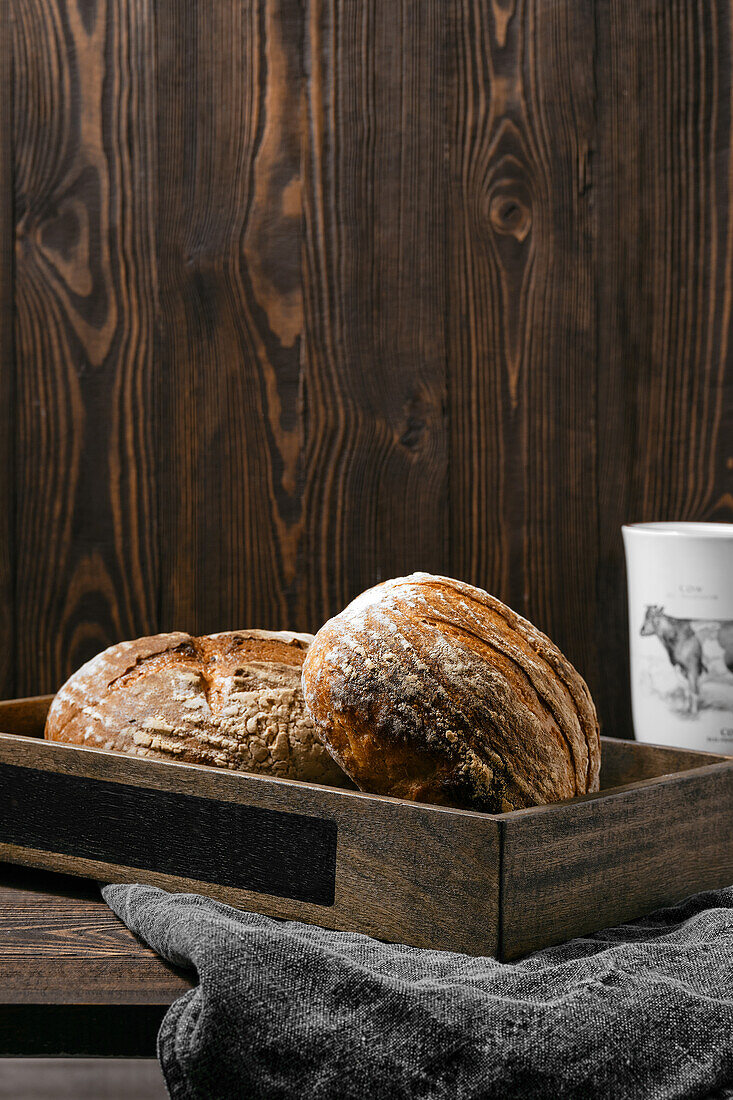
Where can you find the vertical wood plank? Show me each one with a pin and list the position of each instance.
(375, 449)
(84, 120)
(230, 98)
(522, 314)
(665, 277)
(397, 244)
(7, 387)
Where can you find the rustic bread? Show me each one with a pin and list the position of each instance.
(429, 689)
(229, 700)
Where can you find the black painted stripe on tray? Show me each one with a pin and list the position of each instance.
(283, 854)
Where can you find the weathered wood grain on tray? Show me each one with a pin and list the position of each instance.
(429, 876)
(605, 861)
(392, 869)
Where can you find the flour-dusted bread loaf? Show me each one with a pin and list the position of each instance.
(229, 700)
(429, 689)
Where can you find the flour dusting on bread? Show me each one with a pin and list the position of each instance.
(431, 689)
(231, 700)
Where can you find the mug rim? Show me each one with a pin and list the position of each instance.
(682, 529)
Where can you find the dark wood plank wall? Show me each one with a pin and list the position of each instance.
(375, 440)
(7, 371)
(665, 263)
(308, 294)
(375, 433)
(229, 94)
(522, 310)
(86, 546)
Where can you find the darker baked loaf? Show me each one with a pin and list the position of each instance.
(430, 689)
(230, 700)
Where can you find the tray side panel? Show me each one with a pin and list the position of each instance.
(26, 717)
(625, 762)
(287, 854)
(572, 869)
(405, 872)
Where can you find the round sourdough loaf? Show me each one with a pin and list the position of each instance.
(430, 689)
(230, 700)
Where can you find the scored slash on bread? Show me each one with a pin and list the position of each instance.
(231, 700)
(429, 689)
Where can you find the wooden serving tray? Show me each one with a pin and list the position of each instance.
(506, 884)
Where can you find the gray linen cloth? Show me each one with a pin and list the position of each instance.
(286, 1010)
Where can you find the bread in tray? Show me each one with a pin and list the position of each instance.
(429, 689)
(231, 700)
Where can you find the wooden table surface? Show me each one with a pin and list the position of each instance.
(73, 979)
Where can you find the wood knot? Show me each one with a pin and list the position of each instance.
(412, 435)
(510, 216)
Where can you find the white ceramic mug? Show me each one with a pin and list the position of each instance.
(680, 587)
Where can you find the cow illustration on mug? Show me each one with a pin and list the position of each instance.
(700, 651)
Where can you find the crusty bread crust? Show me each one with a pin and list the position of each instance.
(430, 689)
(231, 700)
